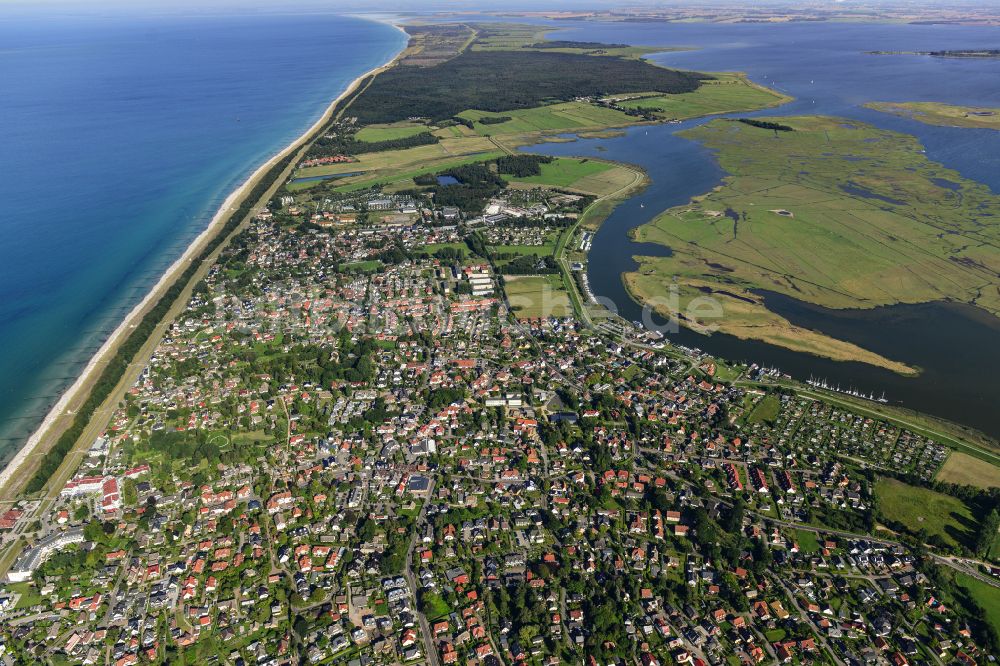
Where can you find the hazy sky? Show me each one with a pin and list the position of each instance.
(285, 6)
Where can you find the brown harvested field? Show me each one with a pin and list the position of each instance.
(964, 469)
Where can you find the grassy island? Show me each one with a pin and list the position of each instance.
(947, 115)
(836, 213)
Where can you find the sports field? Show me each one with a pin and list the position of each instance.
(837, 213)
(533, 296)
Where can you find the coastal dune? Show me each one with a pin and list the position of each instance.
(20, 468)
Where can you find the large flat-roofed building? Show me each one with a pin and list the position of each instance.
(25, 565)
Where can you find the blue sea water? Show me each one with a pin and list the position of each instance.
(122, 134)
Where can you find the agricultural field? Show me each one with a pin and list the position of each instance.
(401, 130)
(935, 113)
(519, 36)
(922, 509)
(836, 213)
(566, 116)
(400, 165)
(534, 296)
(507, 36)
(585, 175)
(963, 469)
(726, 93)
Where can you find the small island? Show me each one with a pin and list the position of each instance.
(955, 53)
(947, 115)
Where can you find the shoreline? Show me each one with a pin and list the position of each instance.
(80, 387)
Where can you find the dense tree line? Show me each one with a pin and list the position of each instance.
(477, 184)
(530, 264)
(329, 146)
(499, 81)
(494, 120)
(568, 44)
(522, 166)
(766, 124)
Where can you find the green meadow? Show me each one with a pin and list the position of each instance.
(947, 115)
(919, 509)
(538, 296)
(836, 213)
(725, 93)
(553, 117)
(373, 133)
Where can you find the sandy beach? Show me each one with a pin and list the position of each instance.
(53, 424)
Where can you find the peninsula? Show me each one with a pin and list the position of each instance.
(831, 211)
(946, 115)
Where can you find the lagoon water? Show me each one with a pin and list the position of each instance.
(824, 66)
(122, 135)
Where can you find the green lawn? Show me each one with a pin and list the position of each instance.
(363, 266)
(765, 411)
(774, 635)
(538, 250)
(921, 509)
(434, 606)
(808, 543)
(29, 595)
(986, 596)
(434, 247)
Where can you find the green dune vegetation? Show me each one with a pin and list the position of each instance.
(935, 113)
(836, 213)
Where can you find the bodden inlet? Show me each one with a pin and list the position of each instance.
(825, 67)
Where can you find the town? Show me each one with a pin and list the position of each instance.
(379, 434)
